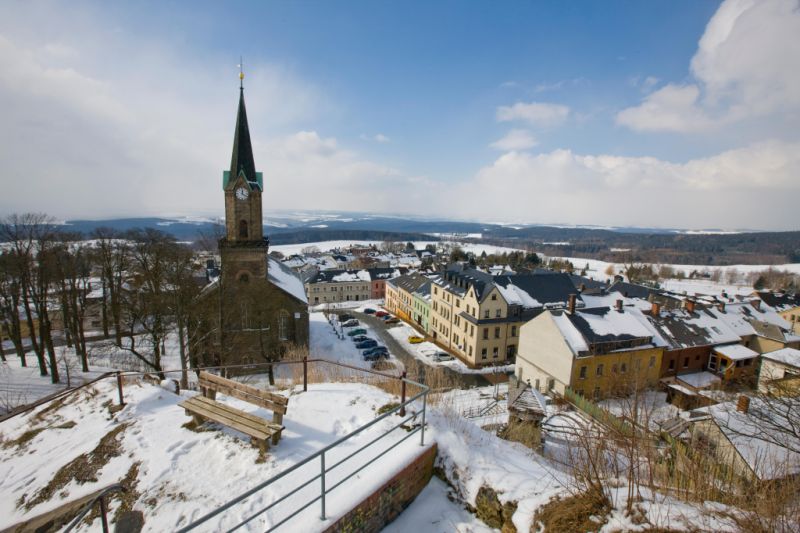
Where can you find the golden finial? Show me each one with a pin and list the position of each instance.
(241, 73)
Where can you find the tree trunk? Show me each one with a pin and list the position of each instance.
(32, 333)
(104, 307)
(182, 351)
(47, 341)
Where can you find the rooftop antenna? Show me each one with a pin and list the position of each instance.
(241, 73)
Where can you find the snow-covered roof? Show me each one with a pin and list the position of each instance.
(515, 295)
(358, 275)
(758, 435)
(699, 380)
(787, 356)
(736, 352)
(285, 279)
(586, 327)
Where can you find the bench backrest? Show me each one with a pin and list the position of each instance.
(274, 402)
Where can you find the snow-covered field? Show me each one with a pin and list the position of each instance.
(182, 474)
(325, 246)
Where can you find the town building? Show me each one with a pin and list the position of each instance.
(787, 306)
(477, 317)
(597, 352)
(334, 286)
(779, 370)
(400, 299)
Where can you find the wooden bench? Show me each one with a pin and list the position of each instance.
(204, 407)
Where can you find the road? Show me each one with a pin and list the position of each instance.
(465, 381)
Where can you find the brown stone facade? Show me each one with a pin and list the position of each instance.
(684, 361)
(386, 503)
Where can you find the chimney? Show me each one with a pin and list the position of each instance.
(743, 404)
(625, 294)
(656, 309)
(571, 304)
(721, 306)
(756, 303)
(690, 305)
(619, 305)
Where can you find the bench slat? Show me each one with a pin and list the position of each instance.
(225, 417)
(274, 402)
(224, 407)
(276, 398)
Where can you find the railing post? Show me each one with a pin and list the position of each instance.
(403, 395)
(119, 388)
(424, 407)
(322, 483)
(305, 374)
(103, 518)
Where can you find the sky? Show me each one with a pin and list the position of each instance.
(679, 113)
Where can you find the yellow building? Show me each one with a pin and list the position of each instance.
(596, 352)
(477, 317)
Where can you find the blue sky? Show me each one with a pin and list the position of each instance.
(650, 113)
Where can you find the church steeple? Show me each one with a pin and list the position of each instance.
(242, 157)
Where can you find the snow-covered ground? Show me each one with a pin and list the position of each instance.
(182, 474)
(422, 351)
(326, 246)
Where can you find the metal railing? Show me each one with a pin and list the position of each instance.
(101, 498)
(324, 469)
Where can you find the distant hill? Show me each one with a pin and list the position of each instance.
(611, 243)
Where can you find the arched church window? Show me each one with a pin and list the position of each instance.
(242, 229)
(244, 278)
(283, 325)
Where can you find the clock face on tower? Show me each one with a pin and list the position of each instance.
(242, 193)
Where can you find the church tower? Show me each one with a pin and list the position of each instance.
(244, 248)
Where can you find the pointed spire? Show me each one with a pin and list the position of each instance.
(242, 158)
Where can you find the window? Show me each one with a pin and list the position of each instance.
(599, 370)
(283, 325)
(485, 333)
(494, 297)
(623, 368)
(458, 303)
(496, 333)
(244, 278)
(471, 330)
(672, 364)
(685, 362)
(495, 352)
(652, 362)
(551, 384)
(748, 362)
(486, 314)
(513, 331)
(470, 351)
(614, 368)
(582, 374)
(712, 362)
(536, 382)
(242, 229)
(497, 313)
(483, 353)
(596, 393)
(511, 351)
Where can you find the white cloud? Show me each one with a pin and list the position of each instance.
(745, 67)
(515, 140)
(534, 113)
(560, 186)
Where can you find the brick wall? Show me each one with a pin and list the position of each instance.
(386, 503)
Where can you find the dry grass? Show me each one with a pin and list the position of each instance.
(581, 512)
(83, 468)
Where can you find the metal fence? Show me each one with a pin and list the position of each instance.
(325, 468)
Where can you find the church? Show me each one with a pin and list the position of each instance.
(257, 310)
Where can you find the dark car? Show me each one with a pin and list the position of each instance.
(369, 311)
(369, 343)
(350, 323)
(360, 338)
(392, 320)
(380, 350)
(381, 314)
(344, 317)
(354, 332)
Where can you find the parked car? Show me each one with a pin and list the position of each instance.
(381, 314)
(442, 356)
(391, 320)
(354, 332)
(415, 339)
(344, 317)
(369, 343)
(376, 350)
(360, 338)
(369, 311)
(350, 323)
